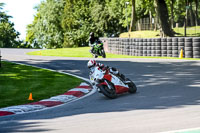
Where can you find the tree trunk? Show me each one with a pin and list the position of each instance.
(162, 12)
(156, 25)
(133, 17)
(196, 11)
(150, 20)
(172, 13)
(192, 16)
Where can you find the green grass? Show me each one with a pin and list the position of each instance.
(64, 52)
(84, 52)
(191, 31)
(18, 81)
(72, 52)
(141, 34)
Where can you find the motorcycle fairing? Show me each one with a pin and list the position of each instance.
(121, 89)
(119, 85)
(108, 77)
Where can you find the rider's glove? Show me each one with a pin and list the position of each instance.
(91, 45)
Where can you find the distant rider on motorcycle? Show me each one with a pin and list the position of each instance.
(92, 41)
(93, 63)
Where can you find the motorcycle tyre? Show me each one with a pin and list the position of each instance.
(103, 54)
(105, 90)
(132, 86)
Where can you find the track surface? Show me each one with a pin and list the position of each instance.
(167, 99)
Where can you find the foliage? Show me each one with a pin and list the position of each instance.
(76, 23)
(67, 23)
(9, 37)
(46, 30)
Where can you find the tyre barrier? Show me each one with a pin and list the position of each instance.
(188, 48)
(181, 45)
(162, 47)
(169, 47)
(196, 47)
(144, 47)
(149, 47)
(158, 46)
(175, 47)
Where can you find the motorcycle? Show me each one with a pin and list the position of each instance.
(98, 50)
(109, 84)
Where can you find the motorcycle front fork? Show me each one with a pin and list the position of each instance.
(108, 85)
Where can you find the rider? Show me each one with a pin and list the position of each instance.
(93, 63)
(92, 40)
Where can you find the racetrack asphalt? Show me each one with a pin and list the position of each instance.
(167, 99)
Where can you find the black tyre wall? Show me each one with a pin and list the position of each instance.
(165, 47)
(188, 48)
(196, 47)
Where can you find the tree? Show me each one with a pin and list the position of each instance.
(172, 12)
(9, 37)
(162, 12)
(133, 16)
(114, 18)
(146, 8)
(31, 33)
(76, 23)
(46, 30)
(196, 11)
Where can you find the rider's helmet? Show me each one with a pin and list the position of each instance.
(92, 34)
(91, 63)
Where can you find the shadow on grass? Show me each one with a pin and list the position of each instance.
(161, 85)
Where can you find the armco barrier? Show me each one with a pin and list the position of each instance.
(162, 47)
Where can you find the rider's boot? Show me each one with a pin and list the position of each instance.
(118, 74)
(122, 77)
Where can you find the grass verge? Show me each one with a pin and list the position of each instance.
(72, 52)
(84, 52)
(18, 81)
(141, 34)
(191, 31)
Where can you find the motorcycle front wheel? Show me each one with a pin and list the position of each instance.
(103, 53)
(110, 93)
(132, 86)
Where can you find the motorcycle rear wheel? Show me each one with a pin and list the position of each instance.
(132, 86)
(110, 93)
(95, 56)
(103, 53)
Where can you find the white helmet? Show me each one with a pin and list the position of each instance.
(91, 63)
